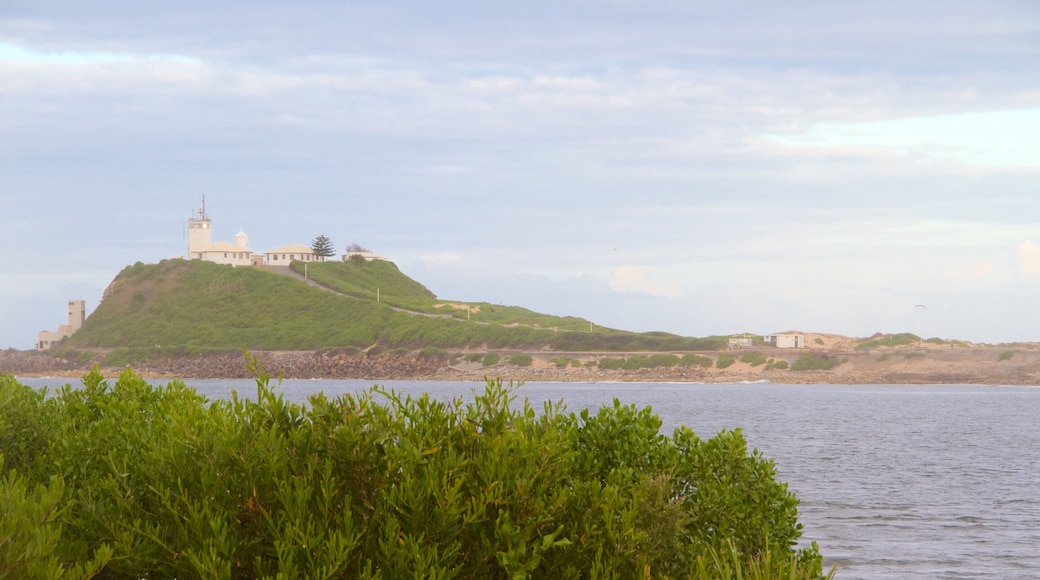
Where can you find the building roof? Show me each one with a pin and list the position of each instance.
(291, 249)
(225, 247)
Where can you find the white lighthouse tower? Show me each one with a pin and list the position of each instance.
(200, 234)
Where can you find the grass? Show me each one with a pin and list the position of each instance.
(892, 340)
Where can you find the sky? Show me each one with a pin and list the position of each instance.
(692, 167)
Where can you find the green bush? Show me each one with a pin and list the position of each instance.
(662, 360)
(696, 360)
(490, 359)
(521, 359)
(158, 482)
(474, 357)
(777, 364)
(434, 353)
(753, 358)
(811, 362)
(610, 363)
(1005, 355)
(725, 360)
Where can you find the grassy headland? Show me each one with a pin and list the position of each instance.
(179, 307)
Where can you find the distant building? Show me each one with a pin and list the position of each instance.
(735, 343)
(45, 340)
(785, 340)
(201, 246)
(284, 255)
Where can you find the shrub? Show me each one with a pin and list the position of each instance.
(753, 358)
(725, 360)
(779, 364)
(818, 341)
(1005, 355)
(433, 352)
(490, 359)
(810, 362)
(695, 360)
(636, 361)
(474, 357)
(563, 362)
(521, 359)
(610, 363)
(158, 482)
(662, 360)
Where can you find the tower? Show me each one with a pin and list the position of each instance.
(200, 235)
(77, 314)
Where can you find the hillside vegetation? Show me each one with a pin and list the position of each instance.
(180, 307)
(382, 280)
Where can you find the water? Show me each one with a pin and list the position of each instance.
(895, 481)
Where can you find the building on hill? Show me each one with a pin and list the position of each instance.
(363, 254)
(785, 340)
(284, 255)
(45, 340)
(738, 343)
(201, 246)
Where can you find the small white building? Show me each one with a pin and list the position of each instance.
(45, 339)
(735, 343)
(284, 255)
(785, 340)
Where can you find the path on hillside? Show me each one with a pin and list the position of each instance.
(288, 271)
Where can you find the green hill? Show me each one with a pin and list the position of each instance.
(182, 307)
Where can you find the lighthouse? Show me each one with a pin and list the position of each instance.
(200, 233)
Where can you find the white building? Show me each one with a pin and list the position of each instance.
(785, 340)
(201, 246)
(45, 340)
(735, 343)
(284, 255)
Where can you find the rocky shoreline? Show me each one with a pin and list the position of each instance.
(971, 366)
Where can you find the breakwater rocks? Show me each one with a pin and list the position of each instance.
(296, 365)
(291, 365)
(969, 366)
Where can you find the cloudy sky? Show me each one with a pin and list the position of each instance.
(693, 167)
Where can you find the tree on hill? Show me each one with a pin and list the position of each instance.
(322, 247)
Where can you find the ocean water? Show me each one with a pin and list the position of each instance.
(895, 481)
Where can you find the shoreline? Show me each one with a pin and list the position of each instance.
(978, 365)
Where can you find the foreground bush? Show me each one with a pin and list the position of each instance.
(158, 482)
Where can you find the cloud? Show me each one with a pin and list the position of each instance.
(984, 139)
(634, 279)
(1029, 259)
